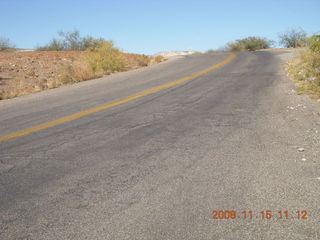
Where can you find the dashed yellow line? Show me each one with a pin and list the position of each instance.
(114, 103)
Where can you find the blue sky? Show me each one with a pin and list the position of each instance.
(150, 26)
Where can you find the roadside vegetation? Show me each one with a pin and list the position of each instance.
(304, 68)
(197, 53)
(67, 59)
(71, 41)
(250, 44)
(293, 38)
(218, 50)
(100, 57)
(70, 58)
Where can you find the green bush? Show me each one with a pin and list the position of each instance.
(314, 43)
(250, 43)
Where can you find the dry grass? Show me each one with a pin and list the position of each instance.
(304, 69)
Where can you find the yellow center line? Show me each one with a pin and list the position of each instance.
(113, 103)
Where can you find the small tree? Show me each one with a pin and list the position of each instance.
(5, 44)
(293, 38)
(71, 40)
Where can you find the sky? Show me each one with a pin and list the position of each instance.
(151, 26)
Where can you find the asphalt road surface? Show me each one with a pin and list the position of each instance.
(234, 139)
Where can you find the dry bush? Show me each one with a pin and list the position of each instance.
(136, 60)
(157, 59)
(105, 58)
(304, 69)
(76, 72)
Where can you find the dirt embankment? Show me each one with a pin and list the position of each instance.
(27, 72)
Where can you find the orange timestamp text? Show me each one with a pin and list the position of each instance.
(262, 214)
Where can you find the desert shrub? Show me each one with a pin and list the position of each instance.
(236, 46)
(71, 41)
(54, 45)
(158, 59)
(293, 38)
(77, 72)
(102, 58)
(105, 58)
(5, 44)
(154, 59)
(137, 60)
(99, 59)
(90, 43)
(250, 43)
(304, 69)
(314, 43)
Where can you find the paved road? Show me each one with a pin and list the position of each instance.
(156, 167)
